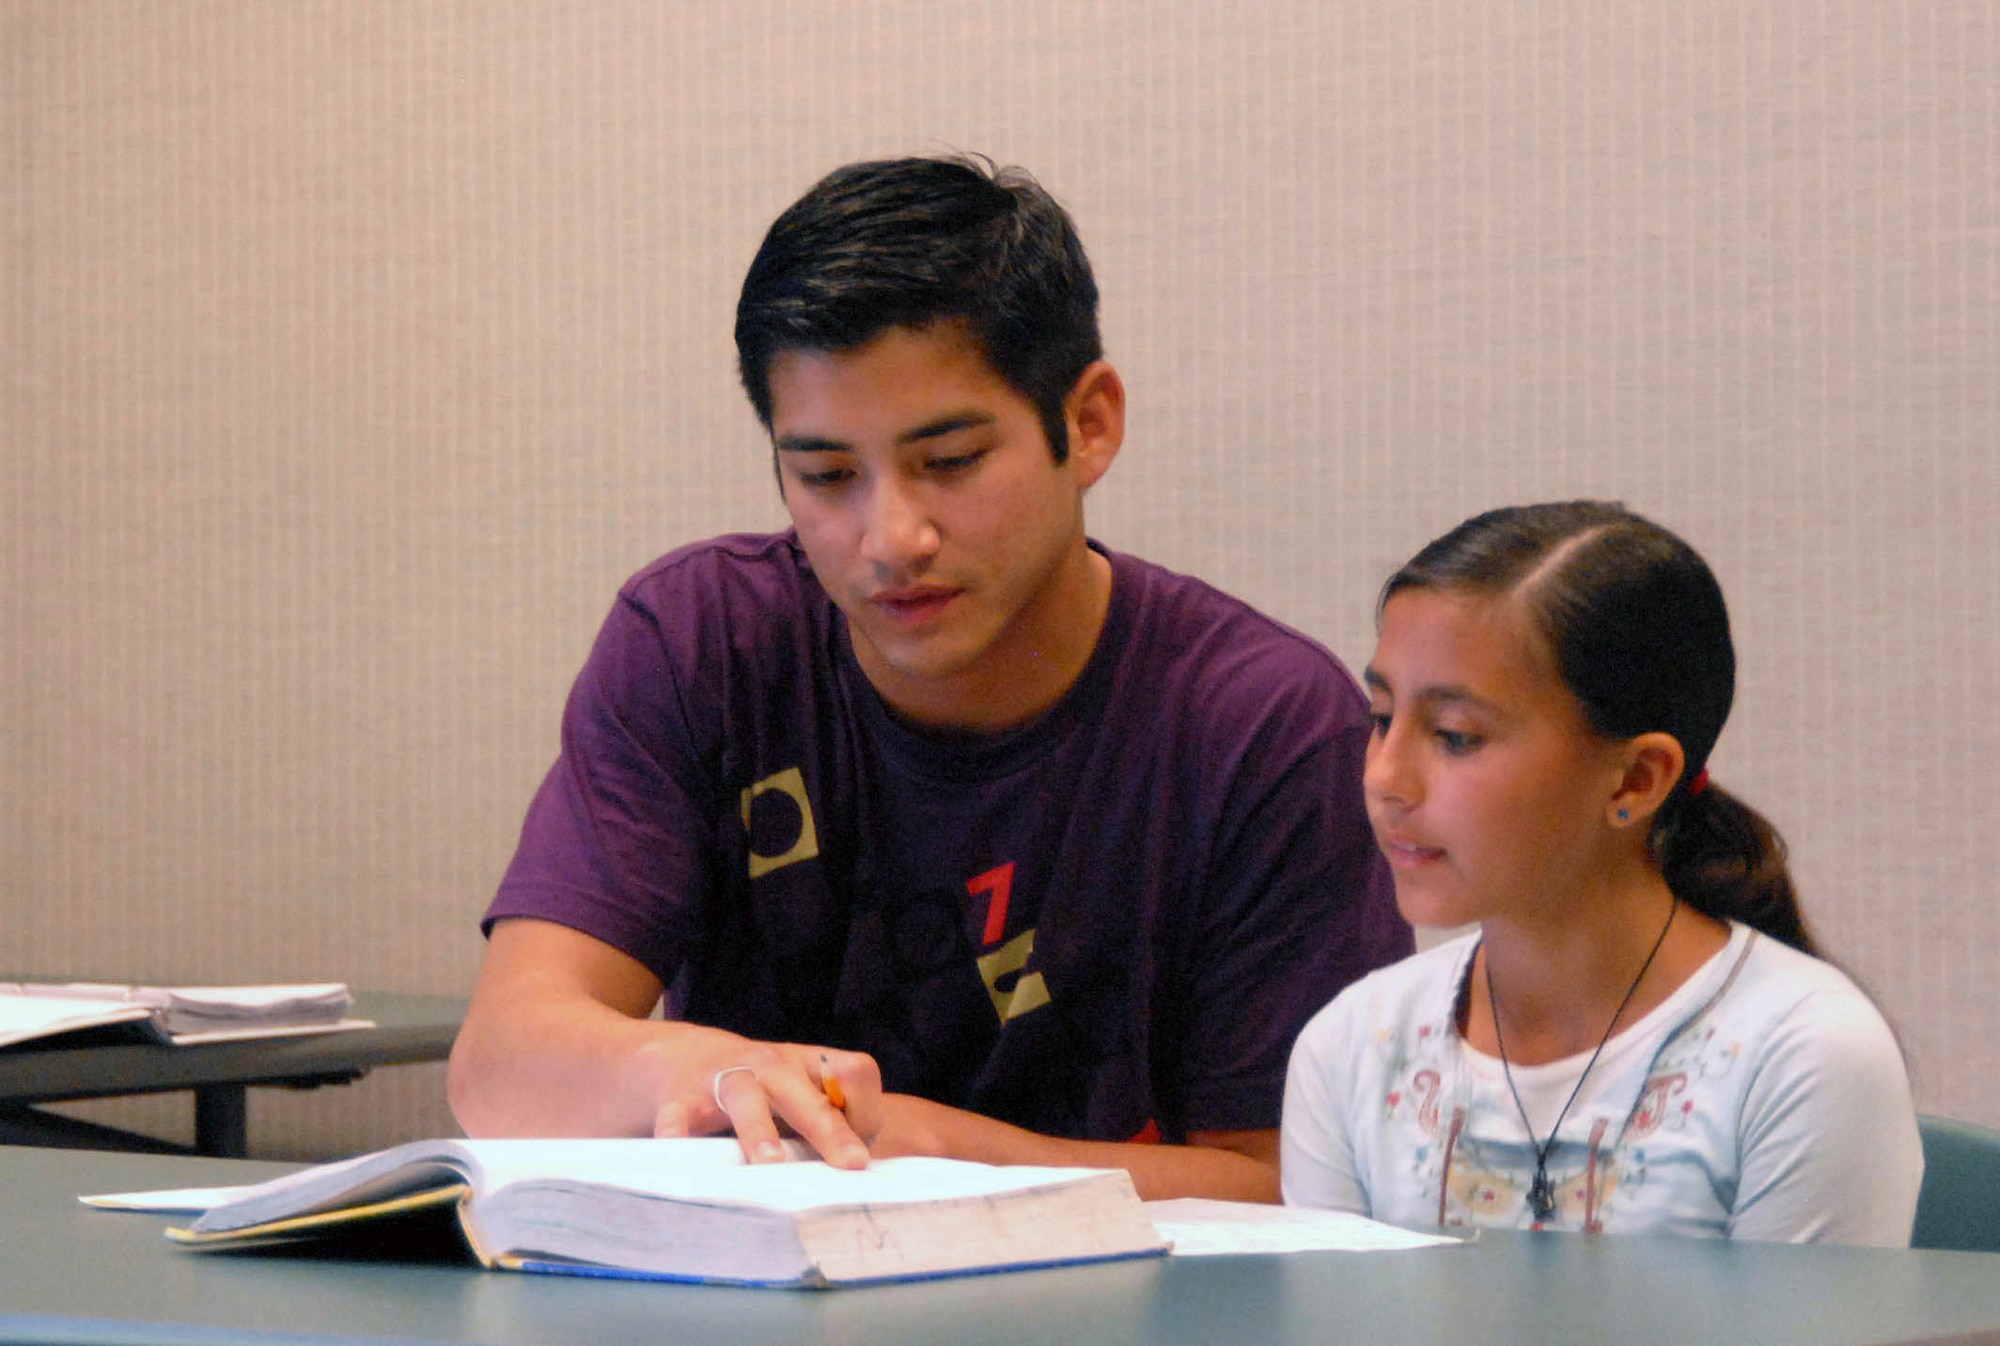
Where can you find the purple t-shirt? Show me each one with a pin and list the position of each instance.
(1113, 921)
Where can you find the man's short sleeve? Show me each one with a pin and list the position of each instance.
(1297, 902)
(616, 842)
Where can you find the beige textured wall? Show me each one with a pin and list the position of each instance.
(355, 351)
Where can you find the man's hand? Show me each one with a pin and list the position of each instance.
(765, 1089)
(559, 1042)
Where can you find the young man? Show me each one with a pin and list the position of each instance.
(940, 828)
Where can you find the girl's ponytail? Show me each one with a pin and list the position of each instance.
(1724, 859)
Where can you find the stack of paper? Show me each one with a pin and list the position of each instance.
(180, 1014)
(213, 1009)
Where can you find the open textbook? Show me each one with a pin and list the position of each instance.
(693, 1210)
(179, 1014)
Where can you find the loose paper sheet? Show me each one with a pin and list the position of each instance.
(1198, 1227)
(179, 1201)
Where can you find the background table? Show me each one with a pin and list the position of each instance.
(408, 1029)
(71, 1274)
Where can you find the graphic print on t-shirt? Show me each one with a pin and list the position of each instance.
(779, 819)
(1014, 991)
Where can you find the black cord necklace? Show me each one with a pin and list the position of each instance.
(1542, 1195)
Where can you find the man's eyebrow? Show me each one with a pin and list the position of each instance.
(937, 429)
(947, 425)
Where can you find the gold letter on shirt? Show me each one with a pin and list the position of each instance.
(1029, 992)
(792, 784)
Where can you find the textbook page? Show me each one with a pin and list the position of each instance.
(707, 1169)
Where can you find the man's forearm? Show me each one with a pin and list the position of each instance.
(1233, 1166)
(575, 1069)
(1163, 1171)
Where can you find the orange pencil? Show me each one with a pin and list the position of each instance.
(831, 1084)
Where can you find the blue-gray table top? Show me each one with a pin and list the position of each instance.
(73, 1274)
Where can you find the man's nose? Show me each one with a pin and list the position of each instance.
(898, 531)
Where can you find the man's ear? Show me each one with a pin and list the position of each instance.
(1094, 415)
(1653, 763)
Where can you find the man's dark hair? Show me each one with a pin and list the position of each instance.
(912, 242)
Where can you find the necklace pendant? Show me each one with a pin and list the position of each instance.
(1542, 1196)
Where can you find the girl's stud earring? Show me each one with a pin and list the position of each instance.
(1624, 815)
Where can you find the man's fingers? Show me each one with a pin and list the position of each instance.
(813, 1092)
(820, 1125)
(671, 1121)
(737, 1091)
(815, 1105)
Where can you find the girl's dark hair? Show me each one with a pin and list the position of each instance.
(1640, 636)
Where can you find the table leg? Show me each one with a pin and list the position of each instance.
(222, 1121)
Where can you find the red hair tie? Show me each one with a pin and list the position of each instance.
(1699, 783)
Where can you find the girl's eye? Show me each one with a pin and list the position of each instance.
(1378, 722)
(1457, 743)
(833, 476)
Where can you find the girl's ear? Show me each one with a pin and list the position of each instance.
(1653, 763)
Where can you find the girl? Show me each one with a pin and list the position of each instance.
(1638, 1038)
